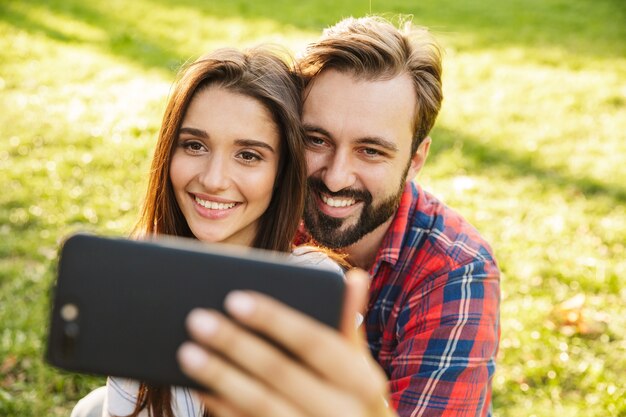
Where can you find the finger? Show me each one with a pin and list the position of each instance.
(239, 390)
(261, 359)
(320, 347)
(357, 286)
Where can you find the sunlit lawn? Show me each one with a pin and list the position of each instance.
(530, 147)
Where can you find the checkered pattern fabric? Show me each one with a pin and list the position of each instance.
(432, 321)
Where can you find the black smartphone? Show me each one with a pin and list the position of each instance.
(119, 305)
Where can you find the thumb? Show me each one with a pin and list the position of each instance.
(355, 301)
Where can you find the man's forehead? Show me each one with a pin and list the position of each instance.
(335, 86)
(338, 101)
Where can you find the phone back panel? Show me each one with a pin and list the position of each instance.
(120, 305)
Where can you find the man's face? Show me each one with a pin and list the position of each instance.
(358, 154)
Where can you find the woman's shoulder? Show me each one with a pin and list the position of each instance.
(314, 256)
(122, 398)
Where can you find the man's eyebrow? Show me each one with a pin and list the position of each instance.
(254, 143)
(368, 140)
(378, 141)
(194, 132)
(316, 129)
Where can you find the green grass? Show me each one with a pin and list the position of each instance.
(529, 147)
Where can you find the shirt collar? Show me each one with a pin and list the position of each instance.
(391, 245)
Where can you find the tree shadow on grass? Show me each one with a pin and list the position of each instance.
(123, 39)
(593, 29)
(21, 20)
(589, 29)
(482, 157)
(127, 40)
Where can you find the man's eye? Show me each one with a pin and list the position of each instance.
(314, 140)
(371, 152)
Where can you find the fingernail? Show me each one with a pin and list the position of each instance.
(191, 356)
(239, 303)
(202, 323)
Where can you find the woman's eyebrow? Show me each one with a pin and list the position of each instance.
(240, 142)
(194, 132)
(254, 143)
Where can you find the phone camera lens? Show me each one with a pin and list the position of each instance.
(69, 312)
(71, 330)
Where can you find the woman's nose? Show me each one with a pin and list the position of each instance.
(215, 174)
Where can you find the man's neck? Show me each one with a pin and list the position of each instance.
(363, 253)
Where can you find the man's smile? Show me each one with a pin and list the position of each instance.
(337, 201)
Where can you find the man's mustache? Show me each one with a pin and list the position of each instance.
(316, 184)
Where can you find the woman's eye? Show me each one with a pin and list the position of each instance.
(193, 146)
(249, 156)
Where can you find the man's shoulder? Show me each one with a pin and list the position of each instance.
(440, 231)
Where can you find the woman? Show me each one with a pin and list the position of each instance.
(228, 167)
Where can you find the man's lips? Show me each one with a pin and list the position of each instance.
(337, 201)
(337, 207)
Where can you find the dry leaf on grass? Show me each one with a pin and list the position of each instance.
(573, 316)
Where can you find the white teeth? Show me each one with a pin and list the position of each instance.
(338, 202)
(212, 205)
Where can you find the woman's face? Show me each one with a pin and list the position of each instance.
(224, 165)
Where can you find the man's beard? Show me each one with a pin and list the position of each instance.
(328, 230)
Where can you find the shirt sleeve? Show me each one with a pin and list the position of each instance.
(121, 397)
(448, 331)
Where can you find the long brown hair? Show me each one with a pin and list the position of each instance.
(260, 74)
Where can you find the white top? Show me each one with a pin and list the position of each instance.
(121, 393)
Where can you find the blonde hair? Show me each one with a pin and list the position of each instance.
(372, 48)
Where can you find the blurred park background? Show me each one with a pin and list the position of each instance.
(530, 146)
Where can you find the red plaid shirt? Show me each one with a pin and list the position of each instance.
(433, 316)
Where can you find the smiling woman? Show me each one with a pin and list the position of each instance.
(228, 168)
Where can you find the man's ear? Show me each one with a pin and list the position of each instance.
(419, 158)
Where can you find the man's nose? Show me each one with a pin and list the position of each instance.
(339, 172)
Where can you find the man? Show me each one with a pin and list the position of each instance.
(431, 319)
